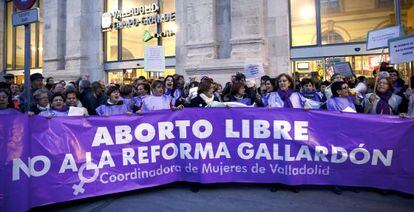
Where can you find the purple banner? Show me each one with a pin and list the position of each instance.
(45, 161)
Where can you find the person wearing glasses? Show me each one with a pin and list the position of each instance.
(284, 97)
(41, 97)
(384, 101)
(341, 100)
(57, 107)
(158, 100)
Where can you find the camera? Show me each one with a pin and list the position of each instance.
(357, 49)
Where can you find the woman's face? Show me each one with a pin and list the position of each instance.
(242, 91)
(169, 83)
(43, 100)
(58, 88)
(284, 83)
(4, 100)
(158, 90)
(57, 102)
(393, 76)
(344, 91)
(71, 100)
(219, 89)
(269, 86)
(141, 91)
(115, 96)
(15, 89)
(211, 90)
(383, 86)
(308, 87)
(323, 87)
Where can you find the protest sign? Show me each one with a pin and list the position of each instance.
(154, 59)
(253, 71)
(377, 39)
(401, 50)
(344, 69)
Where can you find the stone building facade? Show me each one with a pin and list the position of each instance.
(249, 31)
(214, 38)
(218, 37)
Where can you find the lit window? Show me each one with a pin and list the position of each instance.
(303, 22)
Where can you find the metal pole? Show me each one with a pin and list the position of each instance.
(27, 56)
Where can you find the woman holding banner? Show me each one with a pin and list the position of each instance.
(114, 105)
(269, 85)
(284, 97)
(57, 107)
(5, 106)
(341, 100)
(238, 94)
(310, 96)
(158, 100)
(384, 101)
(205, 95)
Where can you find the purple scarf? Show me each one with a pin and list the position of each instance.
(285, 96)
(383, 106)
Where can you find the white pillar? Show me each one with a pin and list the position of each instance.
(247, 30)
(200, 30)
(277, 33)
(83, 39)
(54, 35)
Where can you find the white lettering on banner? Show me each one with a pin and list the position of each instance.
(203, 129)
(40, 165)
(261, 129)
(68, 163)
(247, 150)
(30, 170)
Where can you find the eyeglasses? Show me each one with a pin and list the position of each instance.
(344, 88)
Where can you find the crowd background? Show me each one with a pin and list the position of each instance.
(386, 94)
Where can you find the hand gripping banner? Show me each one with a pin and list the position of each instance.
(45, 161)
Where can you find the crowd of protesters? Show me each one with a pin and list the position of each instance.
(388, 95)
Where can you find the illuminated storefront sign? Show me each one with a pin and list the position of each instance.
(135, 17)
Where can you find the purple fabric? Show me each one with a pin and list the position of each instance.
(110, 110)
(340, 103)
(55, 112)
(151, 103)
(254, 145)
(382, 106)
(285, 96)
(9, 111)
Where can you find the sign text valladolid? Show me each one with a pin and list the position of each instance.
(135, 17)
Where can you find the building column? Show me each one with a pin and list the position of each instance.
(247, 31)
(83, 40)
(54, 16)
(200, 30)
(277, 33)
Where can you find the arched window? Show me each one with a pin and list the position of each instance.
(329, 37)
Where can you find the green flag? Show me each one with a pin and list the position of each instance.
(147, 36)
